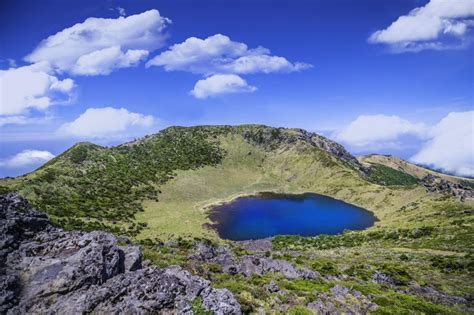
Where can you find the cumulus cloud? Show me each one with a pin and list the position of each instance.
(378, 131)
(97, 46)
(447, 145)
(27, 157)
(218, 54)
(221, 60)
(104, 61)
(106, 122)
(451, 145)
(31, 87)
(440, 24)
(221, 84)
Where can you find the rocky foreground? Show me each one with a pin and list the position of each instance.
(44, 269)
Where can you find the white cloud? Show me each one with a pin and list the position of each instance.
(13, 120)
(433, 26)
(221, 60)
(105, 122)
(98, 45)
(447, 145)
(27, 157)
(11, 62)
(221, 84)
(378, 131)
(22, 120)
(121, 11)
(451, 145)
(31, 87)
(218, 54)
(104, 61)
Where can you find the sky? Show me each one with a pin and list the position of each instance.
(391, 77)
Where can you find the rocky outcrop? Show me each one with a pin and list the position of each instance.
(258, 265)
(273, 137)
(261, 245)
(342, 300)
(44, 269)
(248, 265)
(439, 185)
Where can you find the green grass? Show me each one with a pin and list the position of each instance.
(397, 303)
(385, 175)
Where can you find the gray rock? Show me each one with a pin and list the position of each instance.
(249, 265)
(437, 184)
(342, 300)
(132, 257)
(254, 264)
(430, 293)
(47, 270)
(382, 278)
(203, 251)
(261, 245)
(272, 287)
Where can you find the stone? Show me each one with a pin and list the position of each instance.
(44, 269)
(132, 257)
(381, 278)
(272, 287)
(342, 300)
(261, 245)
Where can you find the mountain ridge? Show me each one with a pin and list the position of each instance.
(92, 185)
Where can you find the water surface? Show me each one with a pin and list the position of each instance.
(271, 214)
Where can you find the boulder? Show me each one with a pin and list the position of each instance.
(44, 269)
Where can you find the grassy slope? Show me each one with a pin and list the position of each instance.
(248, 169)
(409, 168)
(400, 244)
(421, 237)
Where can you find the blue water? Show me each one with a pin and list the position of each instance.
(269, 214)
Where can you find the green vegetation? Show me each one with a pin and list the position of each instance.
(385, 175)
(90, 187)
(158, 190)
(397, 303)
(198, 309)
(162, 185)
(350, 267)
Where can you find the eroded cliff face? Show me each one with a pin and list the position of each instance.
(44, 269)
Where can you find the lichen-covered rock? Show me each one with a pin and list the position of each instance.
(47, 270)
(254, 264)
(342, 300)
(272, 287)
(382, 278)
(248, 265)
(132, 257)
(437, 184)
(261, 245)
(433, 295)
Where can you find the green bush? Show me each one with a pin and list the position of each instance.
(388, 176)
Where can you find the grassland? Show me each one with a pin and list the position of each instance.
(160, 188)
(247, 169)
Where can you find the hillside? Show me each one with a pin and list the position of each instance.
(157, 190)
(90, 186)
(432, 180)
(415, 170)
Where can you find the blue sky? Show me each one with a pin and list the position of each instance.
(373, 75)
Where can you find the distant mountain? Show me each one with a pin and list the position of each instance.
(409, 168)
